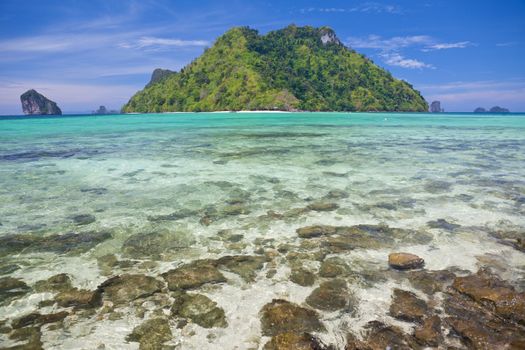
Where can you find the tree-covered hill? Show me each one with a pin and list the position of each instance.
(295, 68)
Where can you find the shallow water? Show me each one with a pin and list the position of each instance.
(186, 177)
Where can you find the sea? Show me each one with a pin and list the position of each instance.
(169, 189)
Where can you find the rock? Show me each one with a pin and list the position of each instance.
(337, 194)
(34, 103)
(199, 309)
(429, 333)
(12, 288)
(431, 282)
(331, 296)
(157, 244)
(380, 336)
(178, 215)
(435, 107)
(322, 206)
(79, 298)
(443, 224)
(405, 261)
(316, 231)
(158, 75)
(302, 277)
(193, 275)
(36, 319)
(333, 267)
(407, 306)
(30, 335)
(281, 316)
(83, 219)
(125, 288)
(498, 109)
(60, 244)
(485, 288)
(245, 266)
(56, 283)
(8, 269)
(480, 110)
(294, 341)
(151, 334)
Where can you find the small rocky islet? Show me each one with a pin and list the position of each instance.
(428, 308)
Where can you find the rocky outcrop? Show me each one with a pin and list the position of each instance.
(159, 74)
(405, 261)
(34, 103)
(498, 109)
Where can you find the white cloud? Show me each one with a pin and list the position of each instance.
(445, 46)
(377, 42)
(395, 59)
(367, 7)
(150, 41)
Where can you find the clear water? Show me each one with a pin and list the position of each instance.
(402, 170)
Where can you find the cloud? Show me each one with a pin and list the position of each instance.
(367, 7)
(152, 42)
(377, 42)
(395, 59)
(510, 43)
(445, 46)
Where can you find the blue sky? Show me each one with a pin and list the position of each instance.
(83, 54)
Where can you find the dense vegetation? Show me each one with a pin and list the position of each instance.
(296, 68)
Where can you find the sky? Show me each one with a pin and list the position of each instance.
(83, 54)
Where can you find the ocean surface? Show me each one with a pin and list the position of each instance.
(209, 185)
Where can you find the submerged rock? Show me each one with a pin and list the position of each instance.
(294, 341)
(443, 224)
(12, 288)
(151, 334)
(56, 283)
(199, 309)
(431, 282)
(156, 244)
(302, 277)
(125, 288)
(407, 306)
(382, 336)
(31, 336)
(331, 296)
(193, 275)
(322, 206)
(37, 319)
(281, 316)
(83, 219)
(245, 266)
(79, 298)
(405, 261)
(316, 231)
(333, 267)
(60, 244)
(429, 333)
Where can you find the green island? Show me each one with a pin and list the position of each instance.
(295, 68)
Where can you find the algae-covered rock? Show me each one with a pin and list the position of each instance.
(381, 336)
(333, 267)
(125, 288)
(245, 266)
(79, 298)
(199, 309)
(302, 277)
(431, 282)
(294, 341)
(315, 231)
(193, 275)
(331, 296)
(407, 306)
(37, 319)
(30, 336)
(281, 316)
(156, 244)
(83, 219)
(12, 288)
(405, 261)
(56, 283)
(322, 206)
(151, 334)
(429, 333)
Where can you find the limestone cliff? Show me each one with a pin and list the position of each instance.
(34, 103)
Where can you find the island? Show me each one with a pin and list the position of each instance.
(435, 107)
(495, 109)
(292, 69)
(34, 103)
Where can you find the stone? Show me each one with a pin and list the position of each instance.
(126, 288)
(380, 336)
(337, 194)
(193, 275)
(322, 206)
(302, 277)
(178, 215)
(56, 283)
(315, 231)
(486, 288)
(67, 243)
(430, 282)
(151, 334)
(79, 298)
(331, 296)
(294, 341)
(34, 103)
(407, 306)
(37, 319)
(199, 309)
(281, 316)
(12, 288)
(405, 261)
(30, 335)
(333, 267)
(245, 266)
(429, 333)
(157, 244)
(83, 219)
(8, 269)
(443, 224)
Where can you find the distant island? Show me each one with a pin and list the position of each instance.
(295, 68)
(34, 103)
(495, 109)
(104, 110)
(435, 107)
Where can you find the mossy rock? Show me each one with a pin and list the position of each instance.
(193, 275)
(151, 334)
(281, 316)
(199, 309)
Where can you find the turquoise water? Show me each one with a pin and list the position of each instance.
(225, 171)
